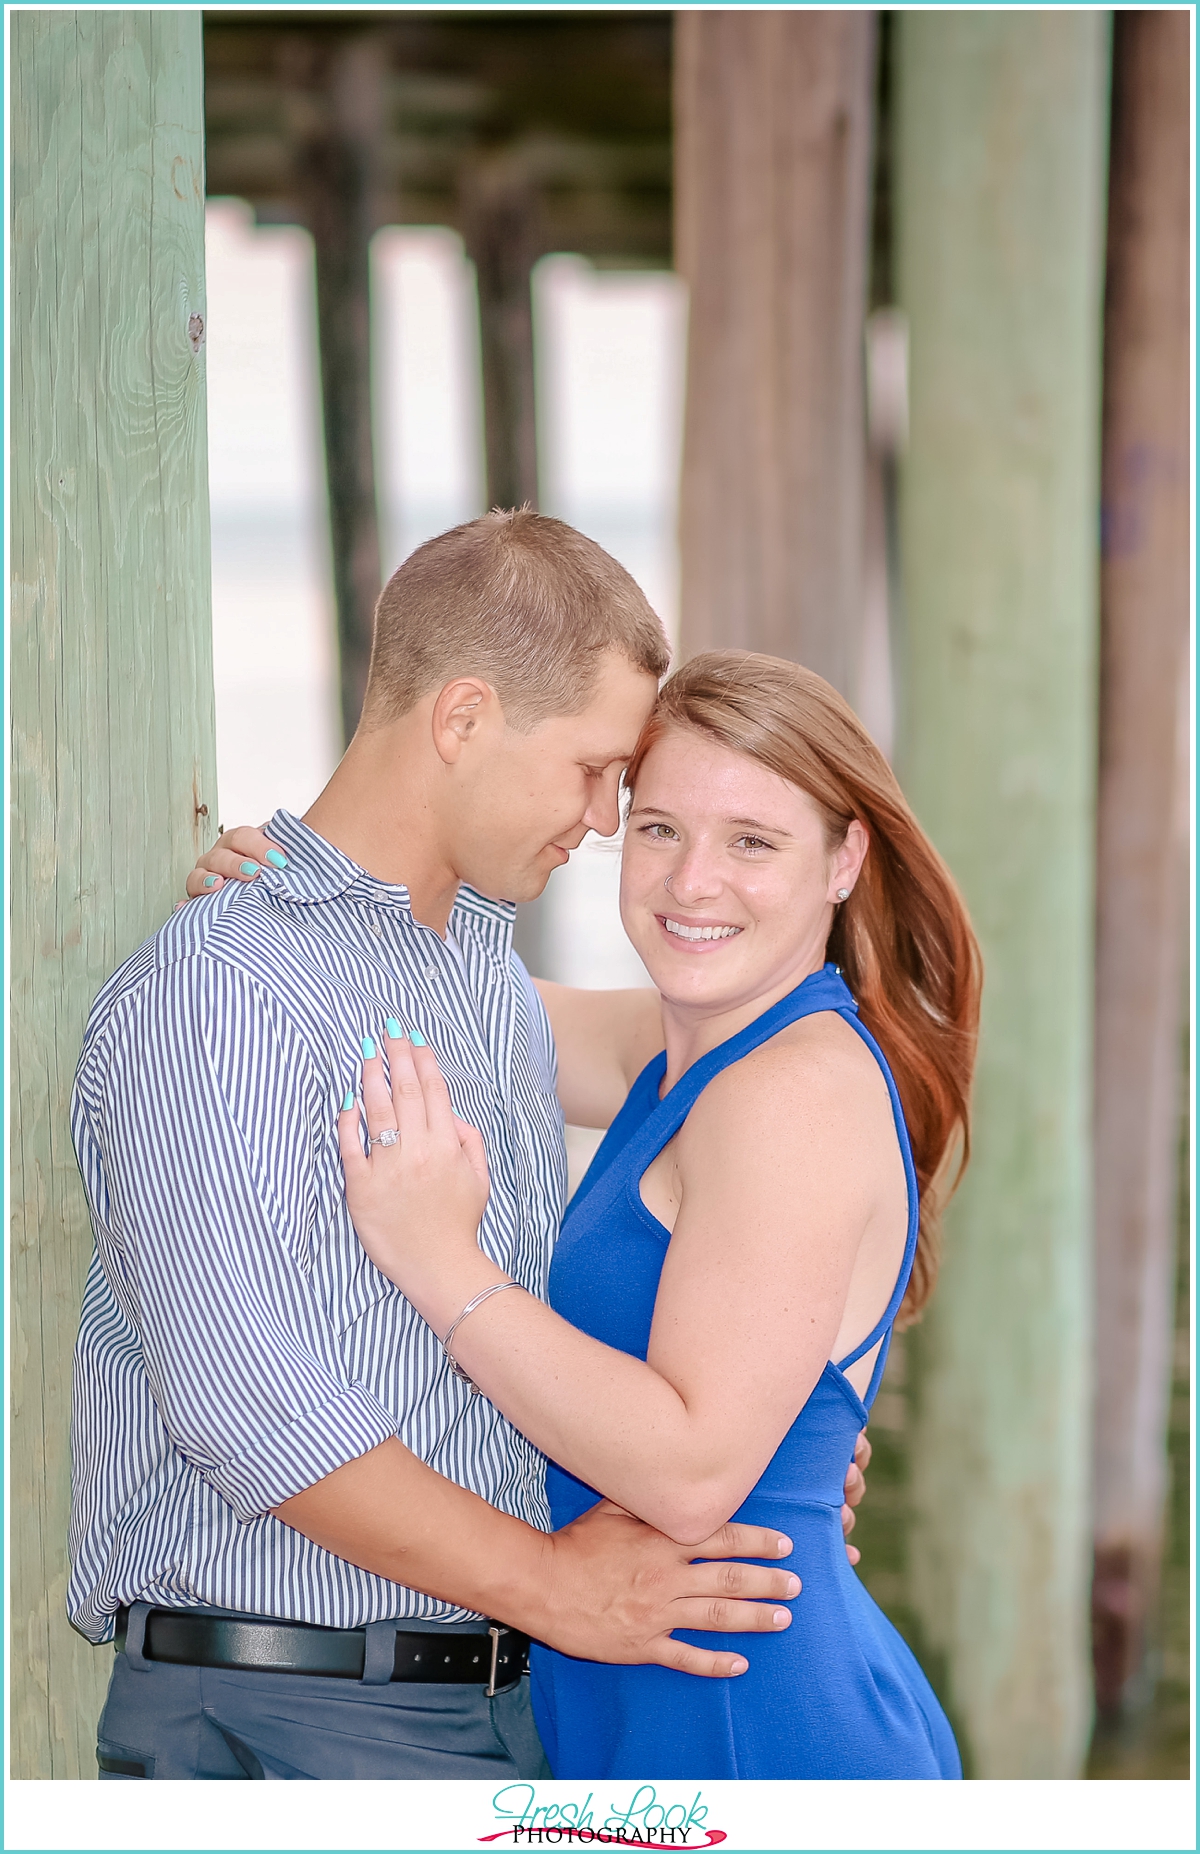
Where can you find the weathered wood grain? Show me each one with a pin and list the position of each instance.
(1000, 183)
(113, 764)
(773, 118)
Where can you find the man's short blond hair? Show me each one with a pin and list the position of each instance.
(520, 599)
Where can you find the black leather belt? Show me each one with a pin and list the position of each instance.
(495, 1657)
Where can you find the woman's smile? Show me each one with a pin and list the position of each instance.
(696, 935)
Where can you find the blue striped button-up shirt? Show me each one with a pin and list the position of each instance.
(236, 1343)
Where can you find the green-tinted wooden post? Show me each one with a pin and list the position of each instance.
(1000, 187)
(112, 701)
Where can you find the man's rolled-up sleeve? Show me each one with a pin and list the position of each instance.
(212, 1130)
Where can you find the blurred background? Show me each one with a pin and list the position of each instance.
(858, 337)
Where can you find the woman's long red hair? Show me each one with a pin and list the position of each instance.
(903, 939)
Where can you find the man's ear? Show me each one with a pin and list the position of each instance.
(464, 709)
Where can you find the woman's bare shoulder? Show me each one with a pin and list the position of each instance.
(817, 1072)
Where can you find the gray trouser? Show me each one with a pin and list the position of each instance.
(203, 1724)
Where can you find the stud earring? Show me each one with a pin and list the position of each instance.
(843, 894)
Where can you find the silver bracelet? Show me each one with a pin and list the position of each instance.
(497, 1287)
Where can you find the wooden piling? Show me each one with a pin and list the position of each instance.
(1000, 187)
(334, 107)
(113, 762)
(773, 159)
(1143, 811)
(500, 215)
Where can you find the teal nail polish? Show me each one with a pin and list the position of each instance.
(249, 868)
(417, 1040)
(348, 1103)
(211, 881)
(368, 1048)
(278, 858)
(393, 1027)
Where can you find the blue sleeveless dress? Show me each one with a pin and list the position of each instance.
(838, 1694)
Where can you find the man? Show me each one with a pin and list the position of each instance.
(321, 1555)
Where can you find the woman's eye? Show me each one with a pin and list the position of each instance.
(658, 833)
(752, 843)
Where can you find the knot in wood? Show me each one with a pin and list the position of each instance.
(196, 332)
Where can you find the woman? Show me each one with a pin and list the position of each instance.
(761, 1209)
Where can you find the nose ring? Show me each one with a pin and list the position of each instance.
(667, 886)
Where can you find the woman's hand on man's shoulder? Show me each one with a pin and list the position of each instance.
(236, 856)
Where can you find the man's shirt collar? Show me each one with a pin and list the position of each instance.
(319, 872)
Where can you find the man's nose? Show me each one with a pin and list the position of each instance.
(603, 814)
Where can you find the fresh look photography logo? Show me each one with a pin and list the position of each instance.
(646, 1820)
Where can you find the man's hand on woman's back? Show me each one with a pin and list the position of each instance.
(856, 1487)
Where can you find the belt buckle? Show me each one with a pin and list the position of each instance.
(495, 1631)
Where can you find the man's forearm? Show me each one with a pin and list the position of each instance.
(606, 1588)
(391, 1514)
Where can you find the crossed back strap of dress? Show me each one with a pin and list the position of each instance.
(825, 990)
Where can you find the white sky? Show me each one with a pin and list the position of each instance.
(610, 383)
(430, 417)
